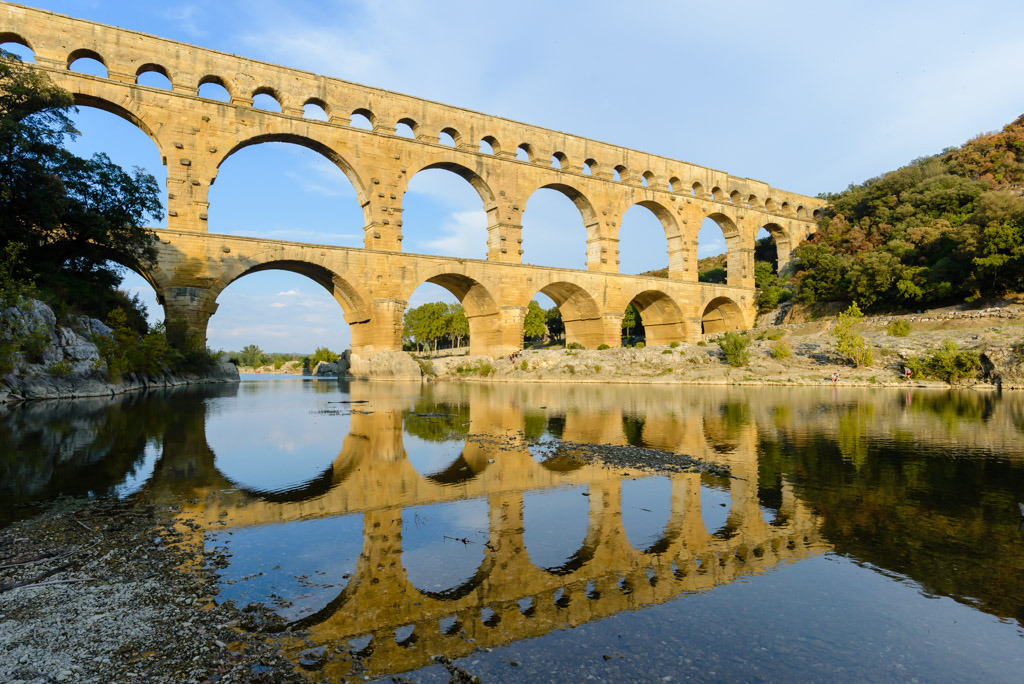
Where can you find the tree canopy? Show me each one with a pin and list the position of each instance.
(74, 216)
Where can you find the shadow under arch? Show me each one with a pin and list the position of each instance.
(661, 316)
(310, 144)
(721, 315)
(480, 307)
(783, 245)
(581, 315)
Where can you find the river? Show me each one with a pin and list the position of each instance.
(859, 534)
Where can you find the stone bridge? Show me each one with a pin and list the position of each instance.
(504, 161)
(508, 596)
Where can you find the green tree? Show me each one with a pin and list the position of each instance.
(74, 216)
(630, 319)
(533, 324)
(554, 323)
(850, 343)
(323, 354)
(458, 324)
(252, 356)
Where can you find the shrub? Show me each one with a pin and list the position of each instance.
(597, 369)
(524, 365)
(61, 368)
(673, 345)
(781, 350)
(639, 345)
(898, 328)
(774, 334)
(849, 343)
(666, 351)
(324, 354)
(602, 347)
(947, 362)
(734, 346)
(574, 345)
(702, 343)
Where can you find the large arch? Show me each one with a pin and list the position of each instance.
(783, 244)
(316, 146)
(581, 316)
(481, 309)
(661, 316)
(733, 251)
(460, 216)
(355, 306)
(83, 99)
(671, 244)
(557, 244)
(721, 315)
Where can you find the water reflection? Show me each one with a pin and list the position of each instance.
(442, 519)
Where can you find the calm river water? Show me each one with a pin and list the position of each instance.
(862, 534)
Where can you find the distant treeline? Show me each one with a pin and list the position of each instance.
(252, 356)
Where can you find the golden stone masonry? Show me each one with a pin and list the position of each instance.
(373, 284)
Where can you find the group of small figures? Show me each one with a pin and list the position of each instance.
(906, 375)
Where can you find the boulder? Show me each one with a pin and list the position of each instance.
(323, 368)
(385, 365)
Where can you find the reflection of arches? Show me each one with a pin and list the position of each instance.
(721, 315)
(427, 527)
(661, 317)
(460, 470)
(575, 514)
(479, 305)
(580, 314)
(316, 146)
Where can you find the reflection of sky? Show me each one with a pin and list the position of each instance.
(142, 471)
(431, 457)
(273, 438)
(303, 563)
(555, 524)
(646, 506)
(433, 563)
(714, 507)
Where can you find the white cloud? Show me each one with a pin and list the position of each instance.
(463, 234)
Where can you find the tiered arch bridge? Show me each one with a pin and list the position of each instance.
(196, 135)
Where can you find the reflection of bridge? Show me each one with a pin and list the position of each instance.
(508, 597)
(196, 135)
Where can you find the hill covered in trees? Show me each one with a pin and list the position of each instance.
(944, 228)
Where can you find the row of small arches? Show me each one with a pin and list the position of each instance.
(213, 87)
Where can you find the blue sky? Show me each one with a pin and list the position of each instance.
(808, 96)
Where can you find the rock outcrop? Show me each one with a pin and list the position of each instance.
(65, 362)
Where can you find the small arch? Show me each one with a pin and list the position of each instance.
(315, 109)
(721, 315)
(589, 167)
(525, 152)
(674, 184)
(735, 197)
(581, 315)
(559, 160)
(449, 136)
(620, 173)
(15, 45)
(753, 202)
(153, 76)
(406, 127)
(489, 145)
(661, 316)
(785, 208)
(15, 39)
(697, 190)
(717, 194)
(647, 179)
(801, 212)
(267, 99)
(816, 214)
(213, 88)
(89, 62)
(362, 118)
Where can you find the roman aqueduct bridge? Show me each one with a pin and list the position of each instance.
(195, 135)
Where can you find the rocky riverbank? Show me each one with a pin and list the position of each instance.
(812, 357)
(68, 363)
